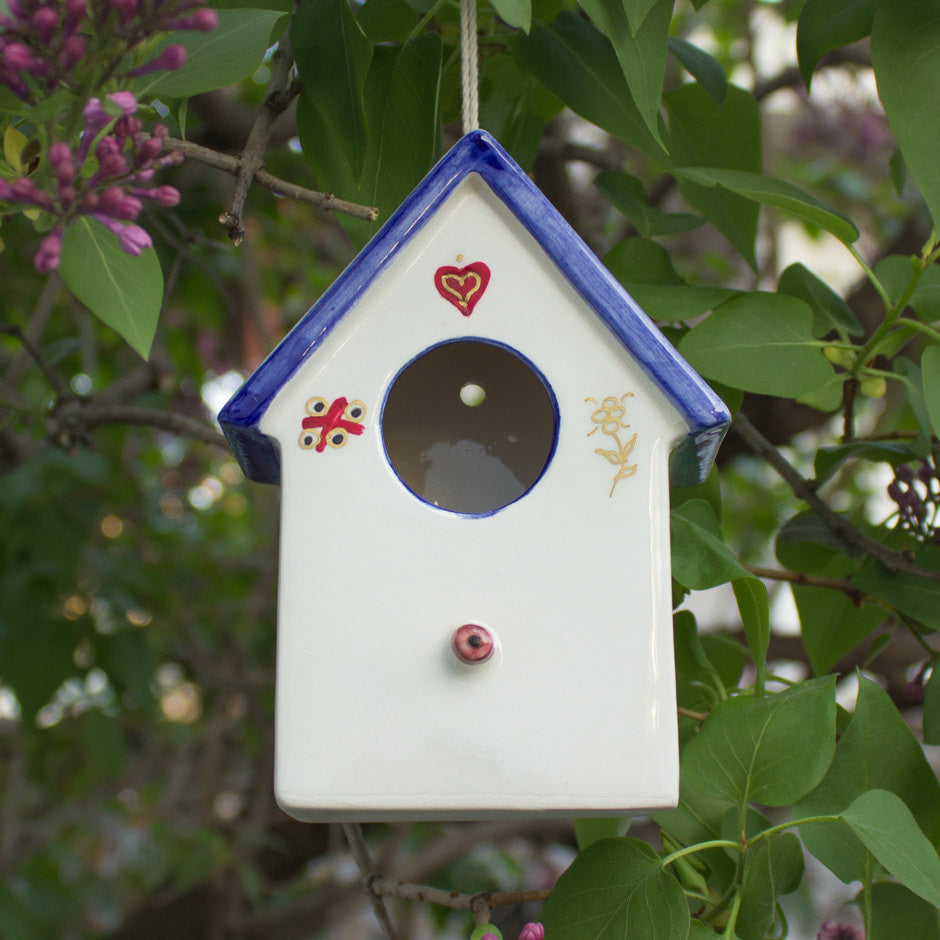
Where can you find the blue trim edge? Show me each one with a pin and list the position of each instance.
(703, 411)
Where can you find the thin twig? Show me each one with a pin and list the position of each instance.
(37, 323)
(812, 580)
(231, 165)
(34, 354)
(275, 101)
(360, 853)
(688, 713)
(78, 416)
(803, 489)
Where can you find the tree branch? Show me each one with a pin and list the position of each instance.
(277, 98)
(76, 416)
(360, 853)
(31, 349)
(231, 165)
(812, 580)
(454, 899)
(803, 489)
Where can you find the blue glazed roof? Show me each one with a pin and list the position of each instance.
(704, 413)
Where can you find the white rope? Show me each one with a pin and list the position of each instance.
(469, 78)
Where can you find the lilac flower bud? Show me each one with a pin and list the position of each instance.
(149, 150)
(125, 100)
(47, 258)
(89, 203)
(172, 57)
(75, 11)
(173, 158)
(67, 196)
(925, 473)
(45, 20)
(111, 164)
(134, 240)
(116, 203)
(18, 57)
(532, 931)
(5, 193)
(126, 9)
(166, 196)
(23, 189)
(127, 126)
(834, 931)
(895, 491)
(905, 473)
(145, 176)
(73, 51)
(59, 156)
(204, 20)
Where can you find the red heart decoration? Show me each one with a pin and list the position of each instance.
(462, 287)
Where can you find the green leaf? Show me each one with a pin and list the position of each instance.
(913, 595)
(700, 558)
(516, 13)
(772, 868)
(231, 52)
(616, 888)
(401, 105)
(386, 20)
(930, 374)
(831, 625)
(884, 823)
(704, 68)
(806, 543)
(702, 662)
(759, 342)
(830, 311)
(876, 751)
(574, 59)
(641, 52)
(932, 707)
(627, 194)
(745, 749)
(333, 56)
(515, 107)
(672, 302)
(593, 829)
(897, 913)
(754, 607)
(905, 51)
(895, 273)
(637, 11)
(830, 459)
(699, 931)
(638, 260)
(704, 133)
(772, 192)
(123, 291)
(829, 24)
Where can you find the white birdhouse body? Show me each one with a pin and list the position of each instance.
(474, 612)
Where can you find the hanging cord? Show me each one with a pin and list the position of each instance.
(469, 77)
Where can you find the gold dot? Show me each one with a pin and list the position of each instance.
(111, 527)
(459, 258)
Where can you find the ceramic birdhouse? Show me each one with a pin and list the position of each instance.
(474, 431)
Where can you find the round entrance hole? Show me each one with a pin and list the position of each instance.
(469, 426)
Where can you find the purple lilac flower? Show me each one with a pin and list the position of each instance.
(917, 495)
(108, 172)
(47, 258)
(43, 42)
(532, 931)
(833, 931)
